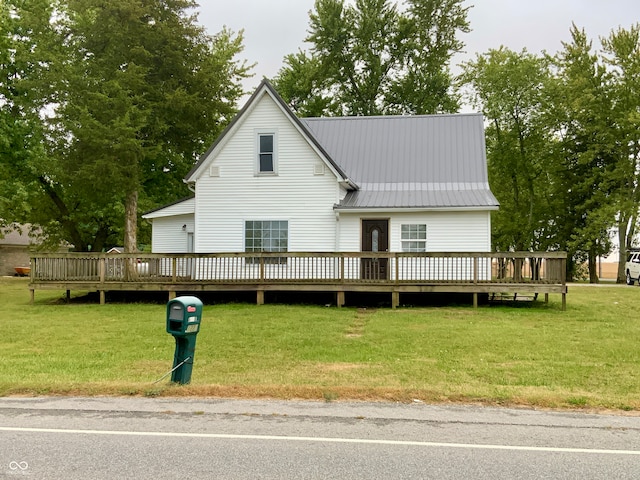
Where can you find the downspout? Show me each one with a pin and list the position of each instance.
(192, 188)
(336, 247)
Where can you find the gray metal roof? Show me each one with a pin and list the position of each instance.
(403, 195)
(423, 161)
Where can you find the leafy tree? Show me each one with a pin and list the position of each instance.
(21, 101)
(301, 82)
(433, 27)
(622, 56)
(563, 145)
(370, 58)
(136, 91)
(509, 88)
(580, 113)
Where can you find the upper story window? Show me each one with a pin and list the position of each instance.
(266, 153)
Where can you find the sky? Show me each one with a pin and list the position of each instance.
(275, 28)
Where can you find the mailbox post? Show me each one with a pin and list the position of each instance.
(183, 322)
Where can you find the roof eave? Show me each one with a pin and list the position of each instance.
(153, 213)
(447, 208)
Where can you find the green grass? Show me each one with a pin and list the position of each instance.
(585, 357)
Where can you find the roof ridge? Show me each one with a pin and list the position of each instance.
(392, 117)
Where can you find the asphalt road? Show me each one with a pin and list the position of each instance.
(138, 438)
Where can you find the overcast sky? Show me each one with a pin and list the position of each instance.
(275, 28)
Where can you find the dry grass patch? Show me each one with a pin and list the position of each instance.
(338, 367)
(357, 327)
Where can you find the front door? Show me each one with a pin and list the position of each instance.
(375, 238)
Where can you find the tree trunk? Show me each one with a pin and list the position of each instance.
(131, 234)
(622, 242)
(593, 272)
(131, 223)
(571, 267)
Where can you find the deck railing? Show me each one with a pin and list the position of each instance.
(304, 267)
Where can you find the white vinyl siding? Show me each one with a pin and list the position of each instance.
(467, 231)
(304, 200)
(447, 231)
(183, 207)
(171, 234)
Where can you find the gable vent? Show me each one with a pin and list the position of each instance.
(318, 169)
(214, 171)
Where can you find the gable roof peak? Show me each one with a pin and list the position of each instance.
(265, 87)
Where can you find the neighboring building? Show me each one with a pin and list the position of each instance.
(275, 182)
(14, 250)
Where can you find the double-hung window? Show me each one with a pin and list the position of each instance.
(266, 236)
(413, 237)
(266, 154)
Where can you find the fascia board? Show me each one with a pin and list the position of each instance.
(378, 210)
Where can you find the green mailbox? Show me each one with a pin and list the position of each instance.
(184, 315)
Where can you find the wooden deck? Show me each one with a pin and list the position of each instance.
(514, 273)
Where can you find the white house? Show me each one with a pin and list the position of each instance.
(275, 182)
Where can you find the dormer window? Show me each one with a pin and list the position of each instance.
(266, 154)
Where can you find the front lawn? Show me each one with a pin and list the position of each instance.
(585, 357)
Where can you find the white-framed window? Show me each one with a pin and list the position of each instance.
(266, 236)
(413, 237)
(266, 153)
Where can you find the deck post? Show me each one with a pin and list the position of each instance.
(102, 272)
(475, 278)
(395, 299)
(102, 269)
(68, 297)
(32, 296)
(546, 298)
(340, 299)
(260, 297)
(397, 265)
(564, 302)
(172, 294)
(475, 299)
(174, 273)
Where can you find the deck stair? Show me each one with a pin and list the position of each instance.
(512, 298)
